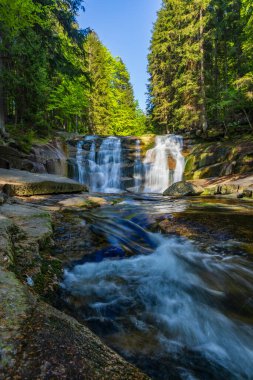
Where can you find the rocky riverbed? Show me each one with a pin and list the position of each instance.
(37, 340)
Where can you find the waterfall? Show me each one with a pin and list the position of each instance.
(101, 170)
(79, 163)
(164, 164)
(100, 164)
(137, 167)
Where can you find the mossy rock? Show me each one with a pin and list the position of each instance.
(190, 164)
(183, 188)
(210, 171)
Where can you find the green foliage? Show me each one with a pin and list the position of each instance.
(201, 64)
(23, 138)
(55, 76)
(112, 108)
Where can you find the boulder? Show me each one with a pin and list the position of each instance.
(183, 188)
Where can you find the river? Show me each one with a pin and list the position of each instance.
(177, 308)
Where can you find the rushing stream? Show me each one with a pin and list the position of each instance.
(163, 302)
(177, 308)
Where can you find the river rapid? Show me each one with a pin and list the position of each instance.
(178, 305)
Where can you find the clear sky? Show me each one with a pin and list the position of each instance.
(124, 27)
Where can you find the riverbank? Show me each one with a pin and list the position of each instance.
(36, 339)
(45, 233)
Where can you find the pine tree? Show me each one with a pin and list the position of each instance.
(200, 65)
(112, 107)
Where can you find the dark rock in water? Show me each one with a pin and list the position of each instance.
(183, 188)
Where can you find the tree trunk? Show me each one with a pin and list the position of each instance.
(202, 74)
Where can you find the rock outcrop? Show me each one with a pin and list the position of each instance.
(240, 186)
(219, 159)
(23, 183)
(44, 158)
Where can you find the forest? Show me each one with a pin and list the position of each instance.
(55, 76)
(201, 65)
(126, 244)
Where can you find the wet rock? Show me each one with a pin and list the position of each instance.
(23, 183)
(183, 188)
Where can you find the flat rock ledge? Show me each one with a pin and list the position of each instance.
(22, 183)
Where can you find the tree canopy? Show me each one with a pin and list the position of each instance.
(200, 64)
(55, 76)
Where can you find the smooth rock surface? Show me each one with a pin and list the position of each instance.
(23, 183)
(183, 188)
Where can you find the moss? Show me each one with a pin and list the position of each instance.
(190, 162)
(46, 281)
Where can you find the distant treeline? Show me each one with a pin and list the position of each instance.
(201, 65)
(55, 76)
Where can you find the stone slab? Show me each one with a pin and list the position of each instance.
(23, 183)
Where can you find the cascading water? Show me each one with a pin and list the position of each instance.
(138, 167)
(158, 175)
(80, 163)
(99, 162)
(100, 170)
(170, 308)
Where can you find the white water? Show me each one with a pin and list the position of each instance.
(80, 163)
(100, 167)
(158, 176)
(172, 300)
(137, 167)
(101, 170)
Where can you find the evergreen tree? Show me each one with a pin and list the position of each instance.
(200, 64)
(112, 108)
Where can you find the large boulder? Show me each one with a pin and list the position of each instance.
(183, 188)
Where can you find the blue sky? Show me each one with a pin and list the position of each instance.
(124, 27)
